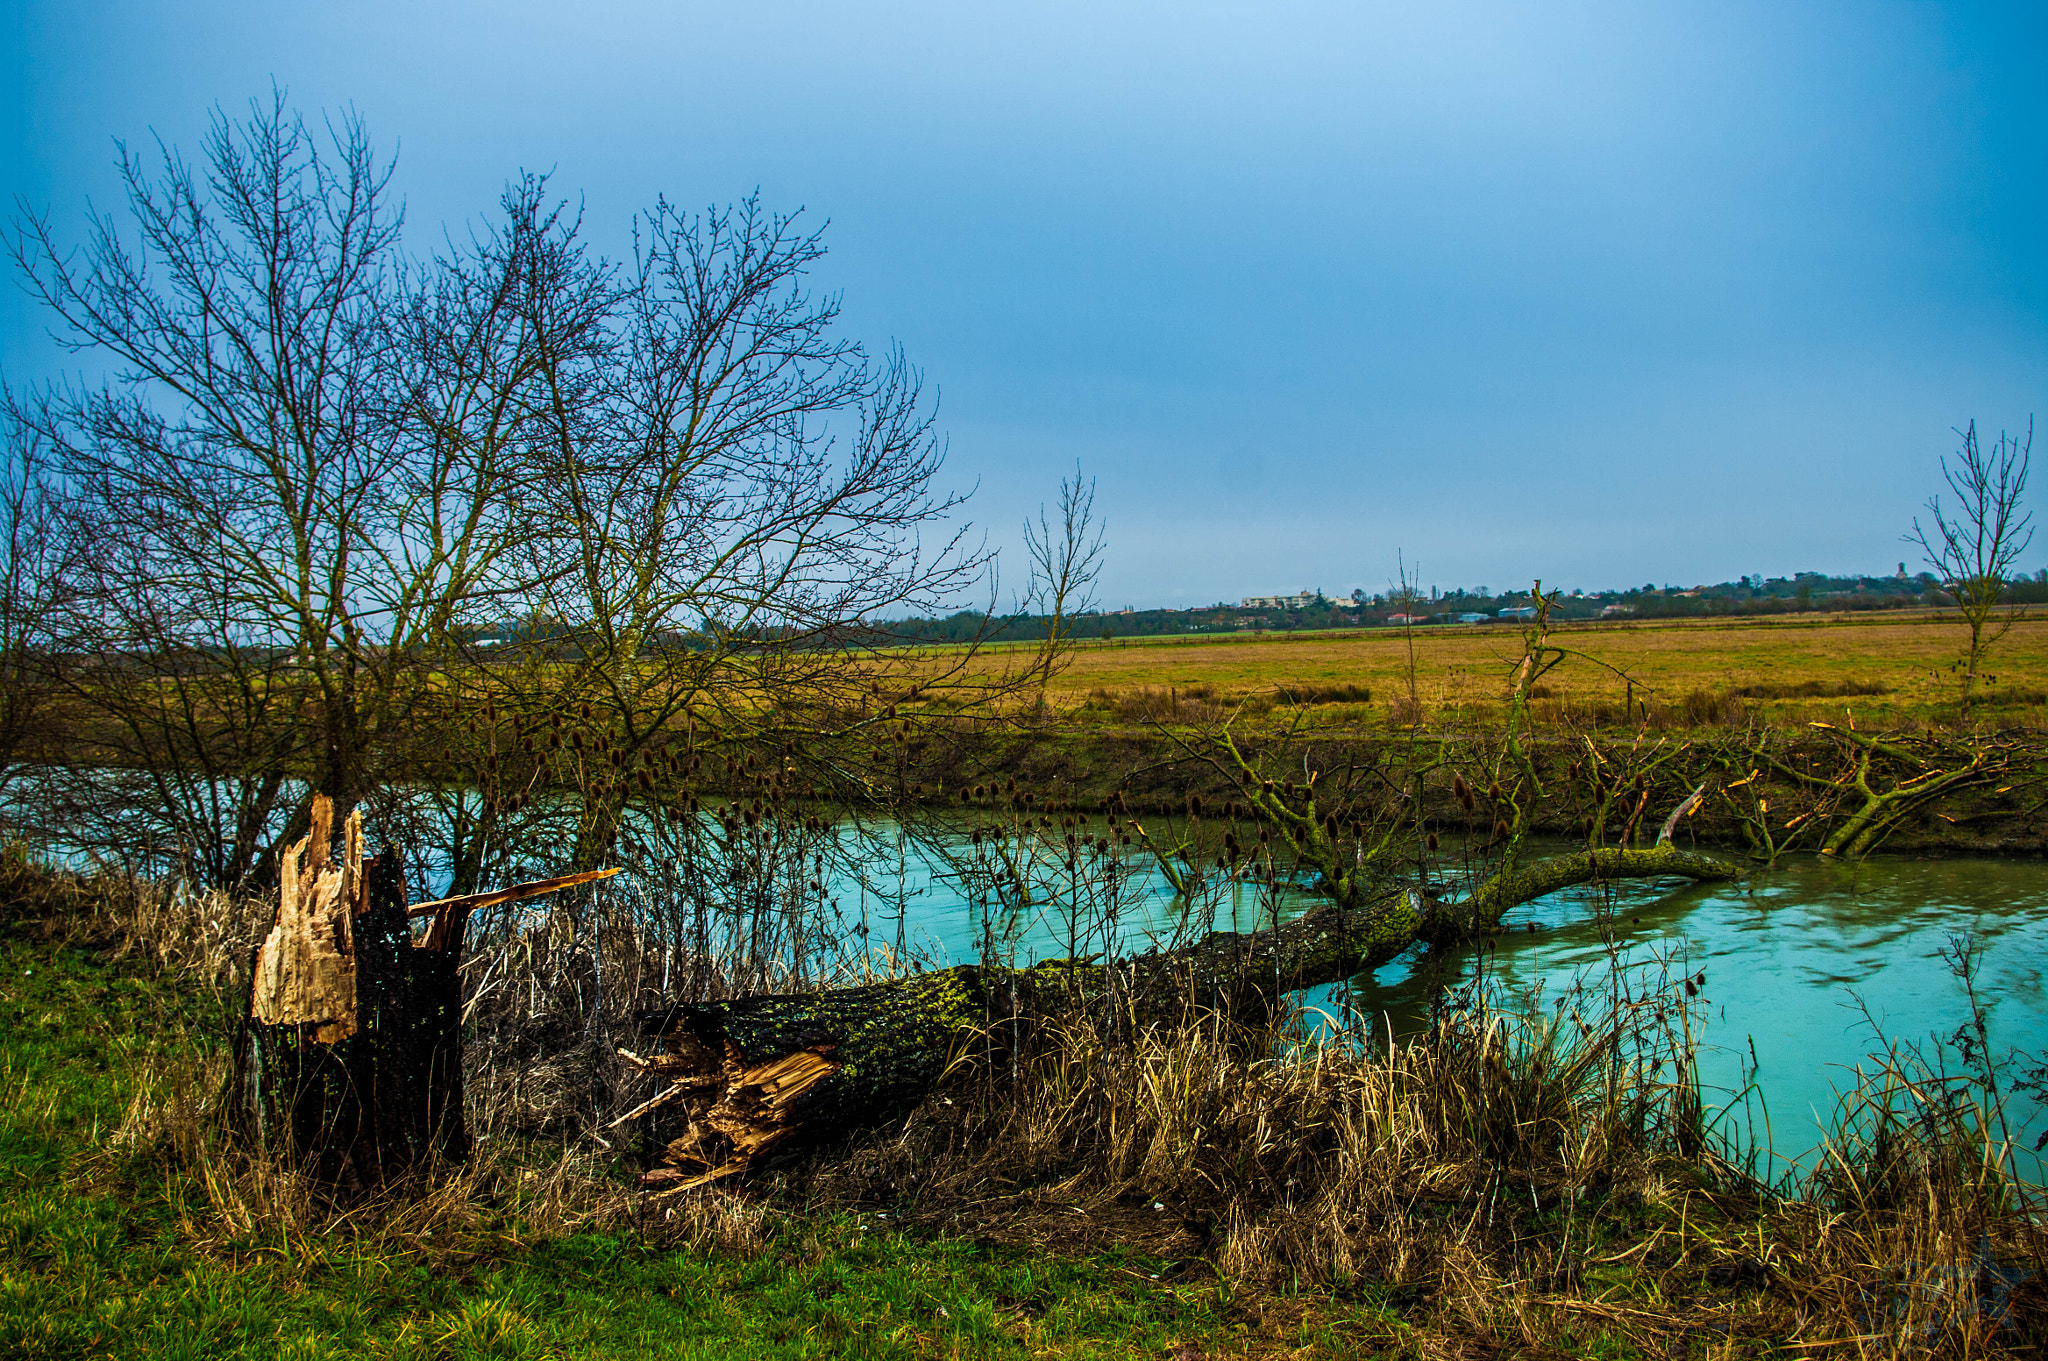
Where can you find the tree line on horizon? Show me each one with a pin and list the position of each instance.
(1805, 591)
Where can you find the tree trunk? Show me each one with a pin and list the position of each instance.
(350, 1061)
(760, 1073)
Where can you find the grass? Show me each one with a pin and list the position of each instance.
(1877, 670)
(106, 1251)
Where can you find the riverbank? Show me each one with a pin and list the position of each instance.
(1169, 1196)
(1764, 791)
(1838, 733)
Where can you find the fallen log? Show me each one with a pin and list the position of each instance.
(862, 1056)
(352, 1050)
(765, 1073)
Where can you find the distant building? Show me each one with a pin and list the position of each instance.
(1300, 601)
(1608, 611)
(1470, 617)
(1516, 612)
(1407, 619)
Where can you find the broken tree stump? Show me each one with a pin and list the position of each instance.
(350, 1061)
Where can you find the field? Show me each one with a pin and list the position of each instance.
(1794, 668)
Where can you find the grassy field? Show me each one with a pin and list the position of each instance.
(1463, 670)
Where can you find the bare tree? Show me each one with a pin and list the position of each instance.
(1973, 546)
(320, 468)
(1406, 594)
(300, 479)
(733, 493)
(1066, 556)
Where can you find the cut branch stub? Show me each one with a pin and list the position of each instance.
(446, 912)
(1680, 813)
(532, 888)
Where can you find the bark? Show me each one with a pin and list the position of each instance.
(353, 1067)
(873, 1053)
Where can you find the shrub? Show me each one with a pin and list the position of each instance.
(1809, 689)
(1325, 694)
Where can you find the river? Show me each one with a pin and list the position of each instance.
(1812, 965)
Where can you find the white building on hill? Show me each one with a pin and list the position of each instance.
(1281, 602)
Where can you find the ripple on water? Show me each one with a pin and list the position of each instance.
(1811, 962)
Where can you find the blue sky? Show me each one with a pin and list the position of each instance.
(1602, 293)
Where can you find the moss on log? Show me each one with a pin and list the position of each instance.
(1482, 911)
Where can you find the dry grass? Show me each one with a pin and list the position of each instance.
(1881, 671)
(1195, 704)
(227, 1194)
(1517, 1176)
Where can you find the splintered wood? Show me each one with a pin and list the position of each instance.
(306, 968)
(737, 1113)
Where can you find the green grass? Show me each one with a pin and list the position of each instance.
(98, 1257)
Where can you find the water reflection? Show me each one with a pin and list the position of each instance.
(931, 885)
(1809, 964)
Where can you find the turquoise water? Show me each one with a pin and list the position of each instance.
(1811, 965)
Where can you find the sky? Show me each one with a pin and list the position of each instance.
(1603, 293)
